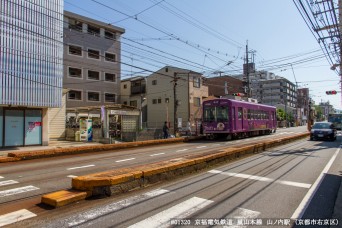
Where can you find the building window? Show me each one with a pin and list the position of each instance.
(75, 25)
(125, 86)
(197, 82)
(110, 57)
(133, 103)
(109, 97)
(93, 54)
(75, 72)
(167, 100)
(93, 30)
(93, 75)
(154, 101)
(75, 95)
(111, 78)
(154, 82)
(159, 100)
(75, 50)
(110, 35)
(197, 101)
(93, 96)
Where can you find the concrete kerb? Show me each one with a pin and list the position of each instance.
(26, 155)
(127, 179)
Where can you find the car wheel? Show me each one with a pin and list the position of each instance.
(311, 138)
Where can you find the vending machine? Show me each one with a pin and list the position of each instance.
(86, 130)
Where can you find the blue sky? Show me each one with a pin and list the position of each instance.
(210, 35)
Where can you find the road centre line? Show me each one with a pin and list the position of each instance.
(15, 191)
(182, 150)
(156, 154)
(199, 147)
(128, 159)
(113, 207)
(259, 178)
(71, 176)
(179, 211)
(15, 216)
(308, 197)
(81, 167)
(8, 182)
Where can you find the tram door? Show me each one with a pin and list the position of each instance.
(234, 118)
(240, 118)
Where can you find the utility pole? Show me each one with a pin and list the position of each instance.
(175, 79)
(340, 44)
(247, 71)
(297, 103)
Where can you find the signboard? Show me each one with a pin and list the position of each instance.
(89, 130)
(179, 121)
(124, 113)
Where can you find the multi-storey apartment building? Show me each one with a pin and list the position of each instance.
(270, 89)
(174, 93)
(31, 64)
(326, 108)
(92, 54)
(133, 93)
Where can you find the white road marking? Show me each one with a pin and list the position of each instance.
(17, 190)
(128, 159)
(182, 150)
(81, 167)
(216, 145)
(259, 178)
(8, 182)
(179, 211)
(240, 215)
(199, 147)
(1, 177)
(156, 154)
(71, 176)
(110, 208)
(308, 197)
(15, 216)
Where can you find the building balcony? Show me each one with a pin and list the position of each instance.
(138, 89)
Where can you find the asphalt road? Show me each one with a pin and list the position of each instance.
(268, 185)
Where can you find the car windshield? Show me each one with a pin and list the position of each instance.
(321, 126)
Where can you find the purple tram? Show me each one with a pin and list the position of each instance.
(237, 119)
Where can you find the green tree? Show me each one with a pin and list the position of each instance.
(319, 113)
(280, 114)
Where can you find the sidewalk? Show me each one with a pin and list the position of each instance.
(52, 145)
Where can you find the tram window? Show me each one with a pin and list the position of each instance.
(209, 114)
(222, 113)
(239, 113)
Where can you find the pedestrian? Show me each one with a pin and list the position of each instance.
(165, 130)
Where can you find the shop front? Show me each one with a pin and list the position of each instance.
(20, 127)
(111, 122)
